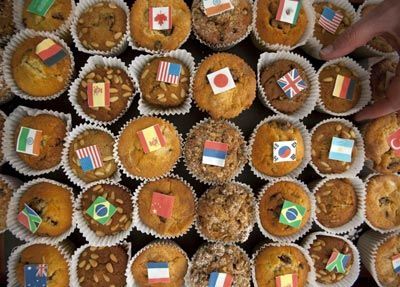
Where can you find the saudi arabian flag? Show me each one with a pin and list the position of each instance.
(29, 141)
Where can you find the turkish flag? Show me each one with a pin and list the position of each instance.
(393, 141)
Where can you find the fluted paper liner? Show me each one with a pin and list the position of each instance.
(4, 116)
(13, 183)
(8, 95)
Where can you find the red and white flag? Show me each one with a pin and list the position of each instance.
(160, 18)
(221, 81)
(393, 141)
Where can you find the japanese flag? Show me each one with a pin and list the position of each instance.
(160, 18)
(221, 81)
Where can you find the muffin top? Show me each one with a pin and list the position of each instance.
(381, 76)
(4, 88)
(6, 192)
(6, 18)
(383, 261)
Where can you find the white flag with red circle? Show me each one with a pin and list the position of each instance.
(221, 81)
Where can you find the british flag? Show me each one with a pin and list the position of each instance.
(292, 83)
(330, 20)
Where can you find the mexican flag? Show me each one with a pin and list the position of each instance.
(29, 141)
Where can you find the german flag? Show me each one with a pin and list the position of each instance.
(50, 52)
(344, 87)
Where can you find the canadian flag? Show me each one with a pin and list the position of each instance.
(221, 81)
(160, 18)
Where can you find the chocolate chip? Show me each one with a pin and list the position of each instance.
(158, 45)
(285, 259)
(167, 32)
(58, 16)
(384, 201)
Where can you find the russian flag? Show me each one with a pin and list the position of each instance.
(214, 153)
(158, 272)
(220, 280)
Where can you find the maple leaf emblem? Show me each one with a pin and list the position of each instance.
(160, 18)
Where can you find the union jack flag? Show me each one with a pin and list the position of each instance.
(330, 20)
(292, 83)
(41, 270)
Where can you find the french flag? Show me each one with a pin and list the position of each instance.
(158, 272)
(214, 153)
(220, 280)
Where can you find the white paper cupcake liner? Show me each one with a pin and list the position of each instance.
(90, 234)
(302, 231)
(136, 69)
(307, 144)
(267, 59)
(362, 75)
(311, 279)
(20, 231)
(249, 228)
(313, 46)
(4, 116)
(13, 183)
(116, 177)
(122, 167)
(13, 44)
(358, 162)
(91, 64)
(9, 144)
(354, 272)
(61, 31)
(8, 96)
(15, 257)
(81, 7)
(262, 45)
(142, 227)
(358, 218)
(131, 281)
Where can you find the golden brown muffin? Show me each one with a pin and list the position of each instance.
(272, 31)
(152, 164)
(104, 142)
(6, 192)
(183, 211)
(160, 252)
(271, 203)
(6, 19)
(383, 201)
(5, 91)
(381, 76)
(273, 261)
(383, 261)
(54, 132)
(57, 265)
(262, 149)
(228, 104)
(33, 76)
(336, 202)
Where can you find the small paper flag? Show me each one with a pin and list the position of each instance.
(221, 81)
(160, 18)
(29, 218)
(218, 279)
(214, 153)
(292, 214)
(40, 7)
(162, 204)
(393, 141)
(35, 275)
(341, 149)
(89, 158)
(29, 141)
(158, 272)
(396, 263)
(337, 262)
(344, 87)
(288, 11)
(50, 52)
(330, 20)
(168, 72)
(292, 83)
(287, 280)
(101, 210)
(212, 7)
(284, 151)
(151, 138)
(98, 95)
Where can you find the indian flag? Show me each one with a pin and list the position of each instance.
(29, 141)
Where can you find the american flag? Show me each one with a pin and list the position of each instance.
(168, 72)
(330, 20)
(89, 158)
(292, 83)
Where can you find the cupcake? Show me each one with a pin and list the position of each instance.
(6, 20)
(224, 85)
(166, 207)
(226, 213)
(223, 30)
(164, 253)
(159, 33)
(148, 147)
(7, 187)
(5, 91)
(219, 258)
(209, 135)
(383, 203)
(381, 76)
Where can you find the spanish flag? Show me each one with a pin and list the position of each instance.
(151, 138)
(344, 87)
(287, 280)
(98, 95)
(50, 52)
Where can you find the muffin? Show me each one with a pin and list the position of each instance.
(216, 257)
(337, 202)
(6, 20)
(159, 93)
(57, 264)
(226, 213)
(101, 26)
(6, 192)
(381, 76)
(262, 149)
(217, 131)
(119, 197)
(383, 202)
(225, 29)
(160, 252)
(5, 91)
(230, 103)
(145, 37)
(102, 266)
(383, 261)
(321, 250)
(272, 261)
(131, 151)
(167, 221)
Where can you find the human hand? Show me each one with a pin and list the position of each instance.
(383, 21)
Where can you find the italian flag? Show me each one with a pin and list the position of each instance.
(29, 141)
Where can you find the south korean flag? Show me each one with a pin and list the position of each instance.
(284, 151)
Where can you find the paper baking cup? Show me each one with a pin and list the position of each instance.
(9, 144)
(313, 46)
(302, 231)
(81, 7)
(13, 45)
(21, 232)
(92, 63)
(142, 227)
(267, 59)
(8, 96)
(91, 235)
(354, 272)
(358, 218)
(14, 259)
(311, 279)
(116, 177)
(307, 144)
(358, 162)
(262, 45)
(131, 281)
(136, 69)
(4, 116)
(62, 31)
(13, 183)
(363, 75)
(249, 228)
(125, 171)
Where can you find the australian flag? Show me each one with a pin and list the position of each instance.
(35, 275)
(292, 83)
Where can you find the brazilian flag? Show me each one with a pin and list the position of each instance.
(291, 214)
(101, 210)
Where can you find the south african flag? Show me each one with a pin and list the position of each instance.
(29, 218)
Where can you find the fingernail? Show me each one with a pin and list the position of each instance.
(327, 50)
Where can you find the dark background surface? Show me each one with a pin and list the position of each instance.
(247, 121)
